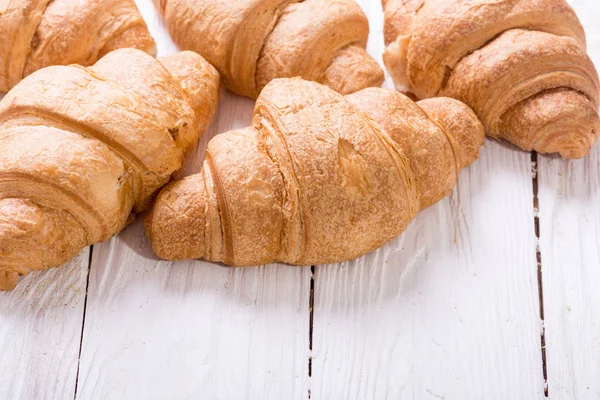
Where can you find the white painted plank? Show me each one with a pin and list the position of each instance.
(157, 329)
(569, 198)
(450, 309)
(161, 330)
(40, 331)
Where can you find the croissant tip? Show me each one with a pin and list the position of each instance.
(8, 280)
(576, 151)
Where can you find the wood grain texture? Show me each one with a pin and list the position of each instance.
(40, 332)
(450, 309)
(569, 211)
(569, 198)
(157, 329)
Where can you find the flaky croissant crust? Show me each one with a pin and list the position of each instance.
(318, 178)
(252, 42)
(39, 33)
(520, 64)
(83, 148)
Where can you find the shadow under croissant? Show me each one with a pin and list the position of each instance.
(54, 289)
(419, 243)
(431, 236)
(126, 265)
(442, 220)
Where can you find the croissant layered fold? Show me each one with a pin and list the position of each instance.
(252, 42)
(40, 33)
(83, 148)
(520, 64)
(318, 178)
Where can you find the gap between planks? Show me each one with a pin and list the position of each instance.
(538, 256)
(87, 286)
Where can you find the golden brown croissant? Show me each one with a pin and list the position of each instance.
(318, 178)
(520, 64)
(252, 42)
(84, 147)
(39, 33)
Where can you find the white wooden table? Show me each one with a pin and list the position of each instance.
(493, 293)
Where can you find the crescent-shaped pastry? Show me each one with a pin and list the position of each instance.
(520, 64)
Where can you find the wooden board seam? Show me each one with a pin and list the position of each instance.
(87, 286)
(538, 255)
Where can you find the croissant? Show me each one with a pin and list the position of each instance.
(318, 178)
(39, 33)
(251, 42)
(520, 64)
(83, 148)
